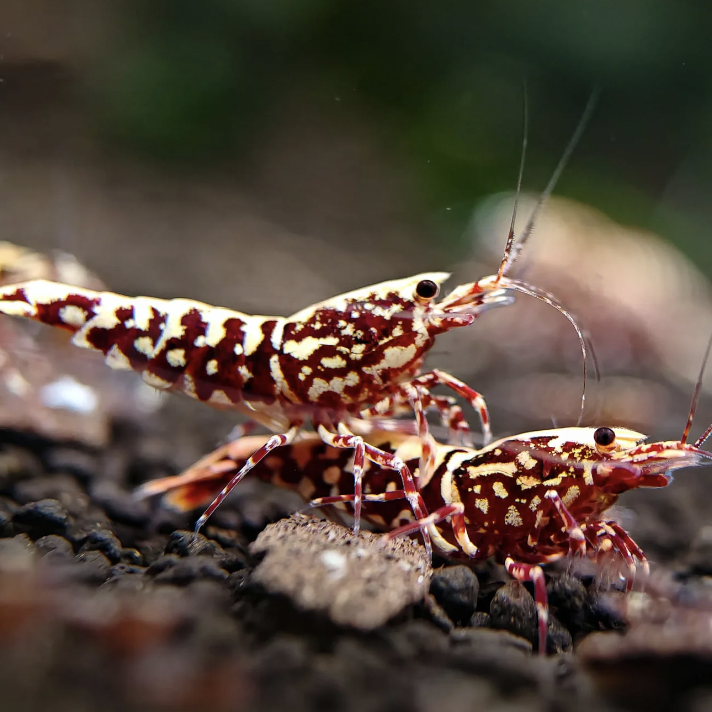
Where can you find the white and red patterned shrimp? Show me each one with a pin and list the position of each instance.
(352, 357)
(525, 500)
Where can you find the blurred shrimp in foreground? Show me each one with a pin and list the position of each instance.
(44, 387)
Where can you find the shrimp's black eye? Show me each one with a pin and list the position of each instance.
(427, 289)
(604, 437)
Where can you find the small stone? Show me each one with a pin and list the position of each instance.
(185, 543)
(17, 463)
(436, 613)
(79, 530)
(77, 463)
(63, 488)
(486, 637)
(480, 619)
(151, 549)
(129, 581)
(41, 518)
(94, 567)
(19, 548)
(571, 601)
(54, 546)
(456, 589)
(184, 571)
(233, 560)
(132, 557)
(7, 512)
(104, 541)
(513, 609)
(163, 563)
(227, 538)
(238, 582)
(121, 506)
(558, 638)
(120, 570)
(417, 639)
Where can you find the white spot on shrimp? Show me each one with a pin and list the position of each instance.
(116, 359)
(144, 345)
(588, 473)
(482, 504)
(534, 504)
(493, 468)
(397, 356)
(499, 490)
(238, 350)
(304, 348)
(72, 315)
(277, 333)
(513, 518)
(571, 494)
(333, 362)
(526, 460)
(155, 381)
(189, 385)
(199, 342)
(446, 487)
(318, 387)
(337, 385)
(176, 358)
(253, 337)
(218, 397)
(211, 367)
(215, 318)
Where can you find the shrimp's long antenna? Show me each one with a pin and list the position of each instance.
(525, 140)
(513, 248)
(549, 299)
(695, 399)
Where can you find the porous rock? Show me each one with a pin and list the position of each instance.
(359, 581)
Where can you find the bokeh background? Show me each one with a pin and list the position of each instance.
(264, 156)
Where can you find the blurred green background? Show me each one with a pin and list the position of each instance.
(192, 82)
(189, 86)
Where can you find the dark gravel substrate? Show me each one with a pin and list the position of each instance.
(109, 603)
